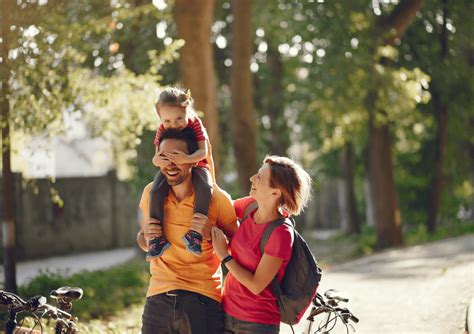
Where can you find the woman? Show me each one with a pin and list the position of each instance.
(280, 188)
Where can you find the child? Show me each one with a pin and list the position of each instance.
(175, 109)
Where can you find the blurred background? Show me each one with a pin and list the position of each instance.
(373, 98)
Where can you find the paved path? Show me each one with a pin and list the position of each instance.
(420, 289)
(68, 265)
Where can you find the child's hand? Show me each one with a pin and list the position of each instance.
(178, 157)
(160, 160)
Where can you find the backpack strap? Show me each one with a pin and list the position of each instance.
(263, 242)
(252, 206)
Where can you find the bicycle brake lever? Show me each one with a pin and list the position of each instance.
(36, 301)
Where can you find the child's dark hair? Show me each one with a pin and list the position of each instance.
(177, 97)
(186, 135)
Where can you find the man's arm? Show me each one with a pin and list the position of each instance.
(226, 217)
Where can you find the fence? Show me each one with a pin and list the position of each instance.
(98, 213)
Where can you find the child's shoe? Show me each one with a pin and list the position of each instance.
(157, 247)
(193, 241)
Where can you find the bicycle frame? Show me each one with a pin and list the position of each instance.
(38, 308)
(333, 313)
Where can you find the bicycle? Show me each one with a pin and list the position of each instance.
(330, 306)
(38, 309)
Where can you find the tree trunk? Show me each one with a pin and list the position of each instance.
(352, 225)
(8, 224)
(441, 116)
(380, 167)
(243, 119)
(280, 137)
(441, 112)
(382, 188)
(194, 19)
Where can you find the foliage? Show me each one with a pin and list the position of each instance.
(83, 60)
(105, 292)
(415, 235)
(453, 228)
(365, 241)
(102, 61)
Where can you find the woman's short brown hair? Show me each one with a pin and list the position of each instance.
(293, 182)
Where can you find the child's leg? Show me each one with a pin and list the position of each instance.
(158, 193)
(202, 183)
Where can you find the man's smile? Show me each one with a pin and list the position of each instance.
(172, 172)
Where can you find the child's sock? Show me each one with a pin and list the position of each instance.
(157, 247)
(193, 240)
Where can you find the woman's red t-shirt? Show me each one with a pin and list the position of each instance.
(237, 300)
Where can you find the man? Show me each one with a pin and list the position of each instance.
(185, 290)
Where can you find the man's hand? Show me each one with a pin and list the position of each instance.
(152, 229)
(200, 223)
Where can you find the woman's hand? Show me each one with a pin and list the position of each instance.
(152, 229)
(220, 243)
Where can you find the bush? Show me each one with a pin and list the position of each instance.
(419, 234)
(105, 292)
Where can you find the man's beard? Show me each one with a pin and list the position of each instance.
(175, 182)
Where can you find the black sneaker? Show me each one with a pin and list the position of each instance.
(193, 241)
(157, 247)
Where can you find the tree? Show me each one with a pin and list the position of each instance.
(347, 170)
(440, 106)
(380, 166)
(194, 19)
(62, 58)
(8, 204)
(243, 119)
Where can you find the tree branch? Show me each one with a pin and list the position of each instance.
(394, 25)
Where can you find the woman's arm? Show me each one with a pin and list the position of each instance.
(256, 282)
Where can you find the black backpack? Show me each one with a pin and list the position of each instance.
(302, 275)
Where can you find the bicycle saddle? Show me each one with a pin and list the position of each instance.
(334, 294)
(67, 293)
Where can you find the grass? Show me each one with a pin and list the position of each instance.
(365, 243)
(107, 294)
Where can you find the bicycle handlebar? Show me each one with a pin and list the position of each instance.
(334, 294)
(320, 305)
(54, 312)
(38, 305)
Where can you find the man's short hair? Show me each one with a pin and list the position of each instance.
(186, 135)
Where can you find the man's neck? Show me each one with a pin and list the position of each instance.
(183, 190)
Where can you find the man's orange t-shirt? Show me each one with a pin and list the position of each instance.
(177, 268)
